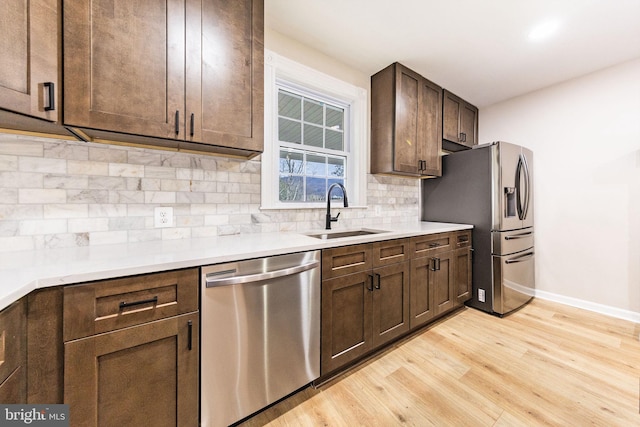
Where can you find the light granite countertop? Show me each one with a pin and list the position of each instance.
(25, 271)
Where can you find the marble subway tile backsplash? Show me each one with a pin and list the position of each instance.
(59, 193)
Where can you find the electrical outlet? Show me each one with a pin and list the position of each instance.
(163, 217)
(481, 295)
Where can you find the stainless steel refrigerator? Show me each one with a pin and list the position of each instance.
(491, 187)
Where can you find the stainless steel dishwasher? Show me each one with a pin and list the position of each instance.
(260, 333)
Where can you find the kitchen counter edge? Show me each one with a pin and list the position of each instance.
(26, 271)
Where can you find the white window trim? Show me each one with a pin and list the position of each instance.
(278, 67)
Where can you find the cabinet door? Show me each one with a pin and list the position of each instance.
(422, 307)
(225, 84)
(469, 125)
(45, 346)
(390, 302)
(145, 375)
(13, 353)
(407, 131)
(430, 128)
(406, 123)
(346, 320)
(29, 46)
(124, 66)
(459, 120)
(462, 280)
(14, 388)
(443, 283)
(451, 107)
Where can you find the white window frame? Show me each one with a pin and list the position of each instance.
(279, 68)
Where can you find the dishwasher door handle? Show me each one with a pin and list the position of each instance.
(236, 280)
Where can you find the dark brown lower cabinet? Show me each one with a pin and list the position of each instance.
(45, 346)
(362, 311)
(371, 298)
(432, 287)
(422, 307)
(462, 266)
(13, 353)
(14, 388)
(443, 283)
(141, 375)
(346, 320)
(390, 302)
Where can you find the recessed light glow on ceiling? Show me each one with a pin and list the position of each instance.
(544, 30)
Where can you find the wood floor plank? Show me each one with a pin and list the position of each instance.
(546, 364)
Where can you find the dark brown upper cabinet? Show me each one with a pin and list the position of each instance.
(183, 74)
(29, 89)
(406, 123)
(460, 123)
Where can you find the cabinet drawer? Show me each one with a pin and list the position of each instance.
(346, 260)
(463, 239)
(431, 244)
(509, 242)
(114, 304)
(12, 338)
(390, 252)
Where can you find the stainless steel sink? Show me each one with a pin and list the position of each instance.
(342, 234)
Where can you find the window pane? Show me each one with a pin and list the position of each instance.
(336, 167)
(334, 140)
(291, 189)
(316, 165)
(289, 105)
(312, 142)
(316, 189)
(291, 163)
(289, 131)
(335, 118)
(313, 112)
(312, 135)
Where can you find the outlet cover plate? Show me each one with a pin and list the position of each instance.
(163, 217)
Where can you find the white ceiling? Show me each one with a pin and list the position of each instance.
(478, 49)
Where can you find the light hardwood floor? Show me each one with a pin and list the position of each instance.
(546, 364)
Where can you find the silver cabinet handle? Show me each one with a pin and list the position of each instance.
(519, 236)
(211, 283)
(521, 258)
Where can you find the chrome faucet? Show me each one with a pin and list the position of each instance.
(330, 218)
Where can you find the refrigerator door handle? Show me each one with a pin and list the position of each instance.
(527, 178)
(519, 198)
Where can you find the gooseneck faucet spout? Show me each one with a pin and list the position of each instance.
(330, 218)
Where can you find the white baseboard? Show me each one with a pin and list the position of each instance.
(619, 313)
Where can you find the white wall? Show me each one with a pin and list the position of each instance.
(585, 134)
